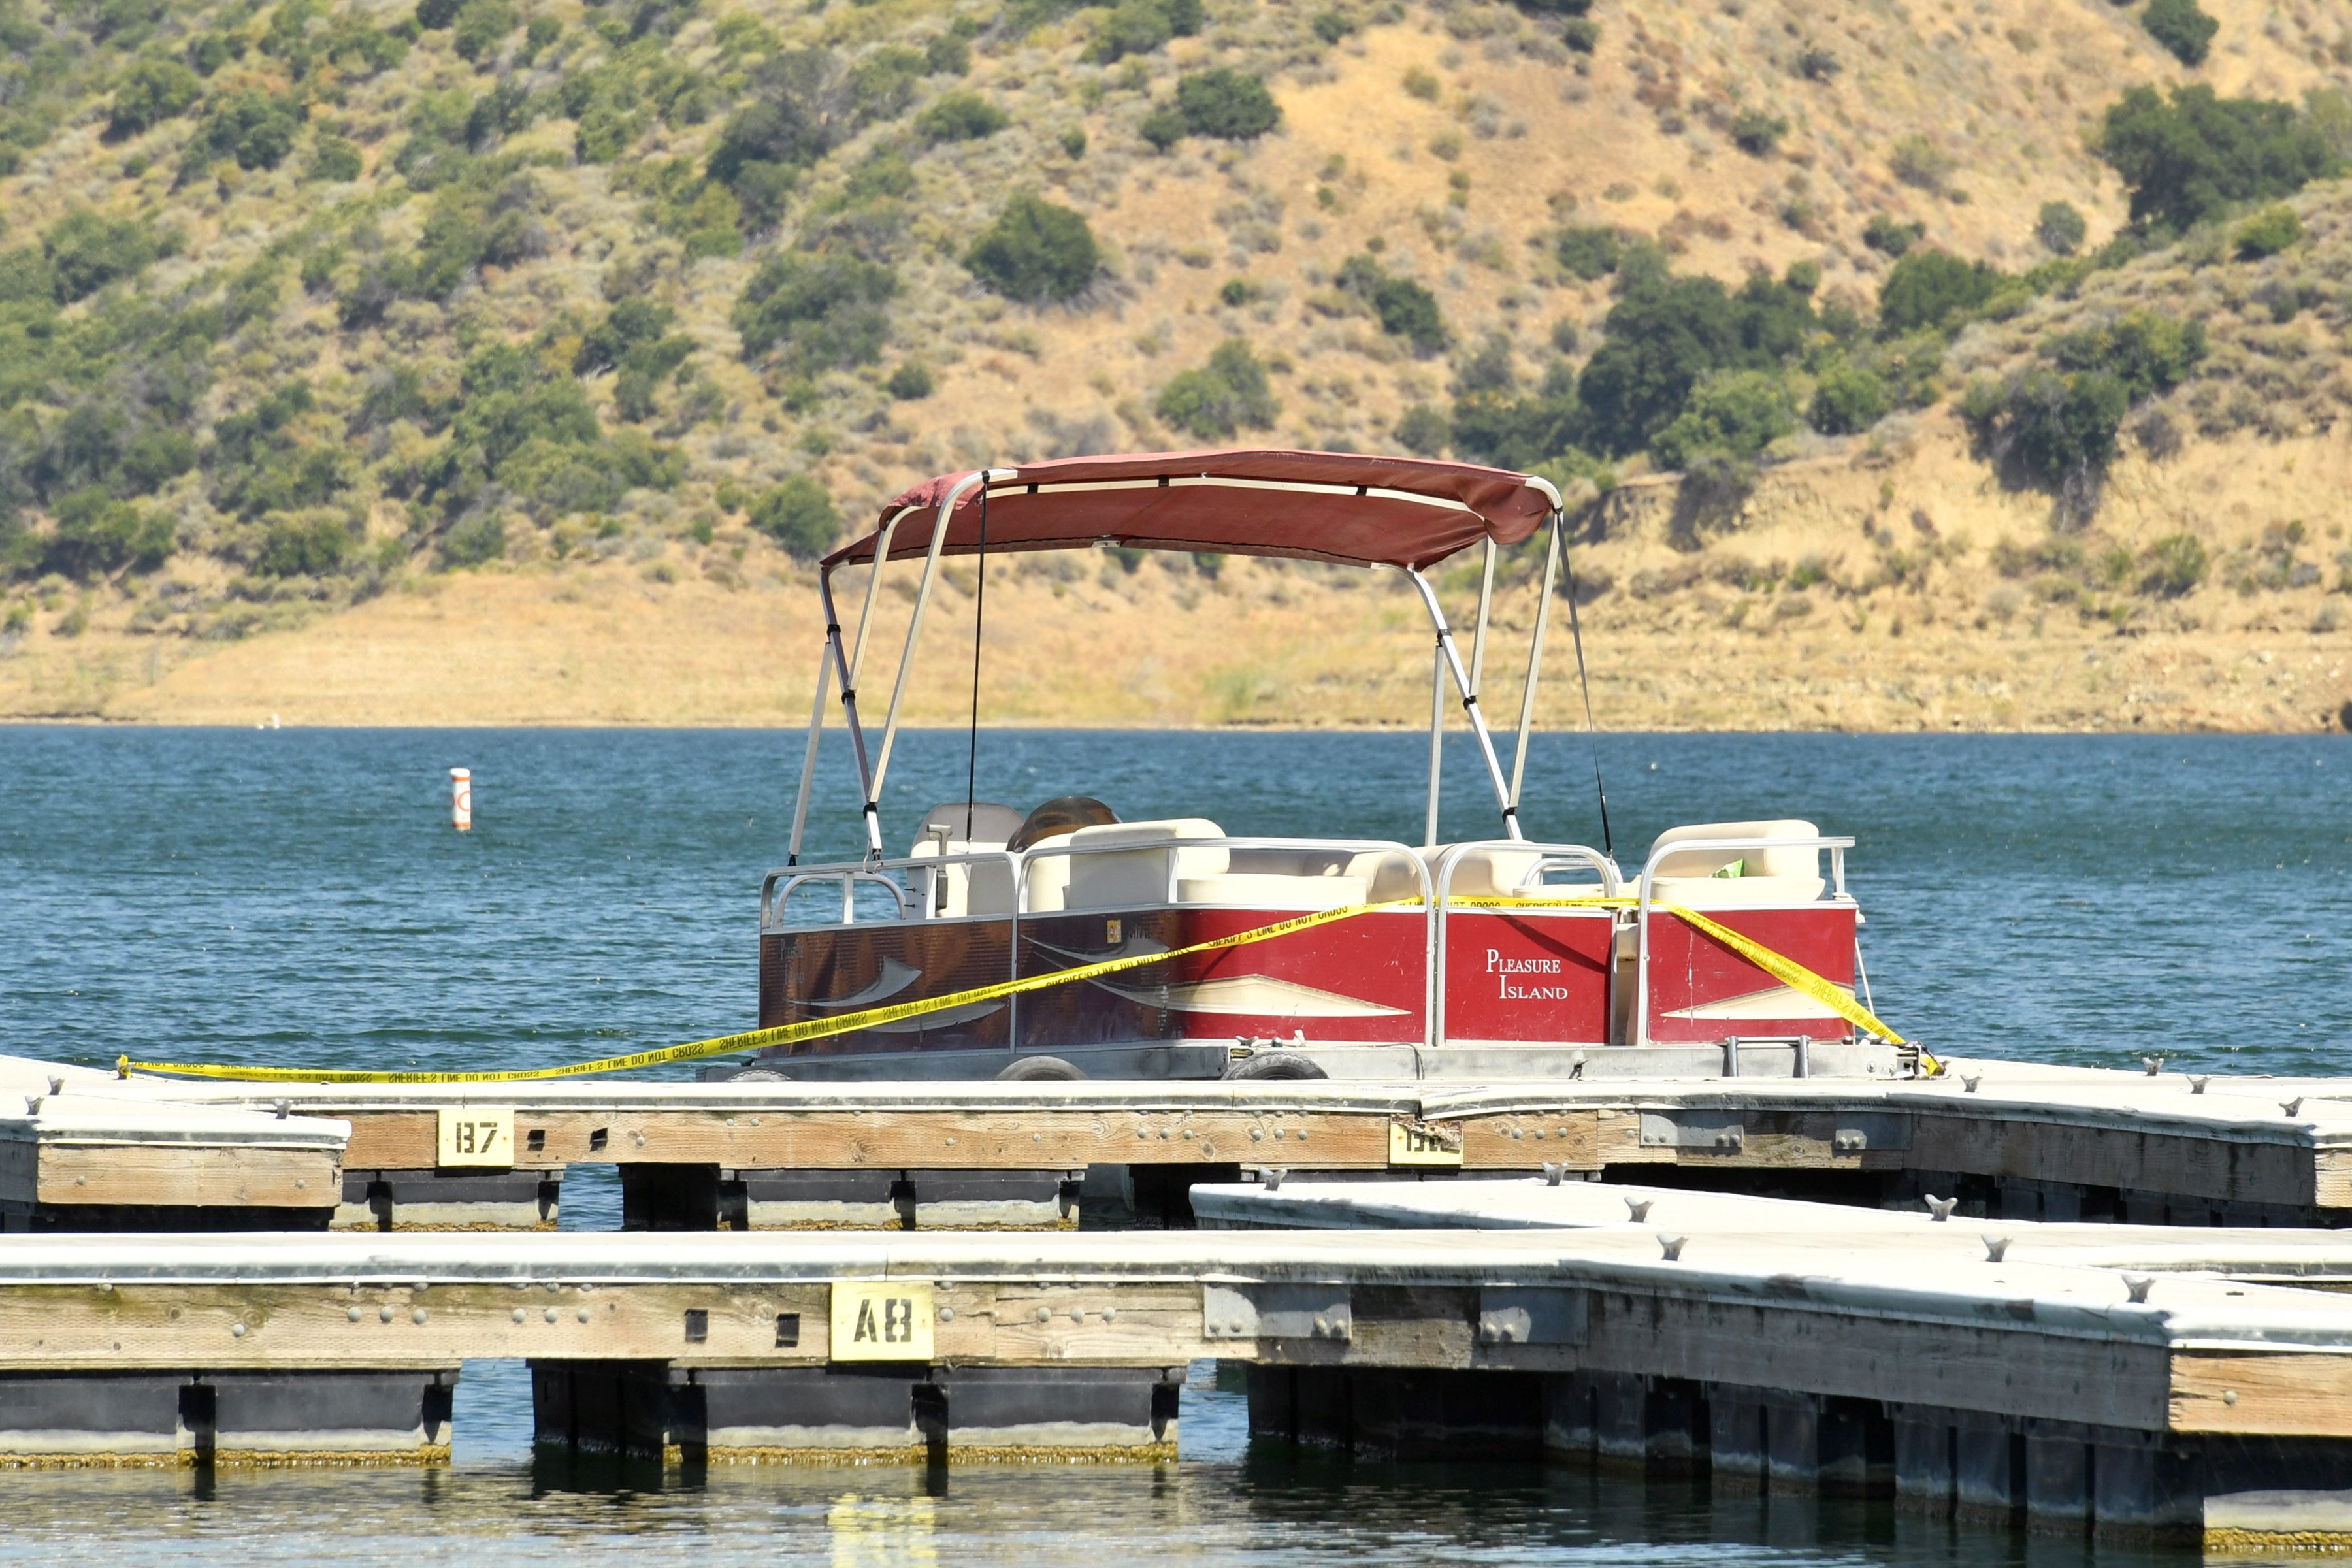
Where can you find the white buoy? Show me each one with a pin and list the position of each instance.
(461, 799)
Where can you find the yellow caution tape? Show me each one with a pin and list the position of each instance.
(782, 1035)
(1786, 970)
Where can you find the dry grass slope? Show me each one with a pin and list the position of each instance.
(1890, 580)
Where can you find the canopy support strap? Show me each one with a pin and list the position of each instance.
(1450, 657)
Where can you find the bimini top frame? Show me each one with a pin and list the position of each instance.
(1400, 513)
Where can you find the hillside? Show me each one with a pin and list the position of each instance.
(494, 362)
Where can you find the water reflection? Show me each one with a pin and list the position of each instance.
(1229, 1502)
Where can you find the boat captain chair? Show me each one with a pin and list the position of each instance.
(981, 888)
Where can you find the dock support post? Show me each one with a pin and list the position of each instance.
(2146, 1488)
(2060, 1473)
(1992, 1471)
(1926, 1461)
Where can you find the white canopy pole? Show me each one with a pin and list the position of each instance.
(842, 669)
(907, 658)
(1535, 658)
(808, 757)
(1450, 658)
(1436, 741)
(1478, 632)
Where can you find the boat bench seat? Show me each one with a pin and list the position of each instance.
(1769, 877)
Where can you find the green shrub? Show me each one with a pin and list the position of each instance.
(2148, 352)
(2053, 427)
(2182, 27)
(2060, 228)
(1424, 431)
(435, 13)
(1162, 128)
(1035, 251)
(1403, 308)
(2187, 158)
(86, 252)
(1883, 234)
(97, 534)
(2176, 564)
(1214, 401)
(482, 26)
(815, 313)
(149, 93)
(1073, 142)
(1665, 334)
(1131, 28)
(798, 515)
(335, 158)
(947, 55)
(1755, 132)
(909, 383)
(882, 86)
(1847, 399)
(2268, 232)
(303, 547)
(1588, 251)
(1581, 34)
(801, 108)
(1331, 26)
(1737, 413)
(1933, 288)
(253, 127)
(961, 117)
(1916, 160)
(1226, 103)
(473, 540)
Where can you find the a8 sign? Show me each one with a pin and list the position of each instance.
(881, 1320)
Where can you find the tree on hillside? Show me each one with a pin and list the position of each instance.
(1036, 252)
(1666, 334)
(1933, 288)
(2182, 27)
(2190, 158)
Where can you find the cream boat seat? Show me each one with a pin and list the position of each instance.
(1104, 873)
(978, 889)
(1769, 877)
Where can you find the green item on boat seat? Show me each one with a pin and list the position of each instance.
(1736, 869)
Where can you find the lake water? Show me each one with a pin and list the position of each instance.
(298, 897)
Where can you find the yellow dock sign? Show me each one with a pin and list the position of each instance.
(477, 1135)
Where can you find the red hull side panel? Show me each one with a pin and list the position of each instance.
(1359, 980)
(1701, 991)
(1539, 979)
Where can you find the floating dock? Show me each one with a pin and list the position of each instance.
(2061, 1300)
(2008, 1139)
(2131, 1381)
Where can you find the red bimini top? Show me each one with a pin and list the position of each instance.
(1308, 506)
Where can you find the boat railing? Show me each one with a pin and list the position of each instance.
(913, 883)
(1542, 860)
(1173, 848)
(1644, 889)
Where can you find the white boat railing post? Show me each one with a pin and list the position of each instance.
(1450, 660)
(906, 656)
(808, 757)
